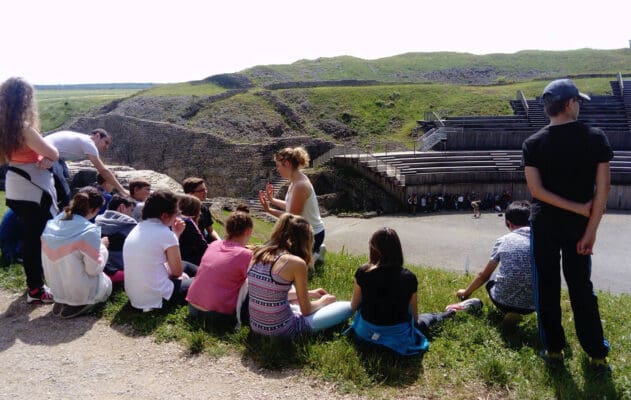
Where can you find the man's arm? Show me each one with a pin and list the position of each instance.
(603, 184)
(107, 174)
(535, 185)
(479, 280)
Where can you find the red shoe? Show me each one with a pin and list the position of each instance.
(39, 296)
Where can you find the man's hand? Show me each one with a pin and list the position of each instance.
(586, 244)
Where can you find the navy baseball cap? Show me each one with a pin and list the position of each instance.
(562, 89)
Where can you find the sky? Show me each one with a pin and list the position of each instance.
(70, 41)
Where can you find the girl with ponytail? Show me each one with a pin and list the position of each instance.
(74, 255)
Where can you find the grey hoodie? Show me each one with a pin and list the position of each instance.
(116, 226)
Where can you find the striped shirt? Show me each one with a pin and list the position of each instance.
(270, 311)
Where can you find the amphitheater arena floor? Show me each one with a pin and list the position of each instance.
(453, 240)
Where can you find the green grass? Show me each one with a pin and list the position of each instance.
(57, 106)
(183, 89)
(470, 356)
(409, 67)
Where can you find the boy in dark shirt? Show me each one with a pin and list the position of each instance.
(567, 172)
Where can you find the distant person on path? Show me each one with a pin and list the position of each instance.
(278, 278)
(567, 172)
(300, 198)
(196, 187)
(74, 255)
(475, 204)
(511, 290)
(385, 297)
(78, 146)
(29, 185)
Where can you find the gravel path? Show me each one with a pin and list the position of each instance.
(45, 357)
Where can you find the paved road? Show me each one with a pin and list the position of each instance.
(451, 241)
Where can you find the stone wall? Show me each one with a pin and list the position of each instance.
(230, 169)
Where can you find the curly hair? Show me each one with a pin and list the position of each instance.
(17, 110)
(297, 156)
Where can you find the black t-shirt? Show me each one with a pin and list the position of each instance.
(205, 220)
(567, 156)
(192, 243)
(386, 294)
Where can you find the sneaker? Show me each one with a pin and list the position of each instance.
(552, 358)
(74, 311)
(39, 296)
(512, 318)
(57, 309)
(472, 304)
(600, 366)
(322, 253)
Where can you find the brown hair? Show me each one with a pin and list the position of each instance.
(291, 234)
(136, 184)
(238, 222)
(158, 203)
(84, 201)
(190, 206)
(17, 110)
(385, 249)
(101, 132)
(191, 183)
(297, 156)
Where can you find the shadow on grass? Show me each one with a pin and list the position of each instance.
(385, 366)
(124, 316)
(515, 336)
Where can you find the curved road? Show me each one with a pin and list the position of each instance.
(450, 241)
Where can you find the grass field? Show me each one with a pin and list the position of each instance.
(57, 106)
(470, 356)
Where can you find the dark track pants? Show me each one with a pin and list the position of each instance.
(34, 218)
(554, 240)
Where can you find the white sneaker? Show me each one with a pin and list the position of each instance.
(322, 252)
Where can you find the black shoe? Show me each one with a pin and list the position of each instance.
(58, 308)
(74, 311)
(552, 359)
(600, 366)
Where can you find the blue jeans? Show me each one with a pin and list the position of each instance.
(329, 315)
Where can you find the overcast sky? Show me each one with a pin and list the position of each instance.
(85, 41)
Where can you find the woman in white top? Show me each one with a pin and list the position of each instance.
(151, 255)
(300, 198)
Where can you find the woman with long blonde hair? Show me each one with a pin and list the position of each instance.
(29, 185)
(277, 266)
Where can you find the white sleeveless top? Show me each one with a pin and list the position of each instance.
(310, 211)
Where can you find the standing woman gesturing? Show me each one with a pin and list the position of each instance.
(29, 185)
(300, 198)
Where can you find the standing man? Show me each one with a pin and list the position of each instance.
(567, 171)
(78, 146)
(196, 187)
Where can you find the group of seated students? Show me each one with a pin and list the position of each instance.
(216, 280)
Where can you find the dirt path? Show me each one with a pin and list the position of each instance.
(45, 357)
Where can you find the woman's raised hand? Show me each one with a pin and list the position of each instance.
(263, 200)
(178, 227)
(269, 191)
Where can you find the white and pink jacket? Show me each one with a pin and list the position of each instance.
(73, 259)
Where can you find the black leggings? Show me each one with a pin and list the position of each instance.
(34, 219)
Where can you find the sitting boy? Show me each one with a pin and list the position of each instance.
(116, 223)
(511, 291)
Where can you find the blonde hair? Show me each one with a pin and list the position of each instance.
(291, 234)
(297, 156)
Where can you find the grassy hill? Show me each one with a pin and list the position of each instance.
(402, 88)
(451, 67)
